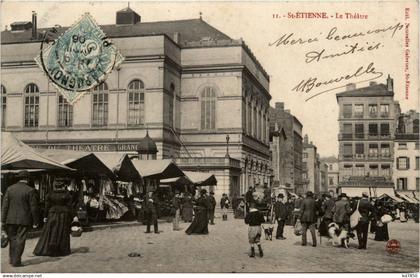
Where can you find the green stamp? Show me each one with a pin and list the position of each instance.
(80, 59)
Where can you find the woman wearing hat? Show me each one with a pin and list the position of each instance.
(200, 222)
(55, 237)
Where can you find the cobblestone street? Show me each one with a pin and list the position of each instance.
(225, 249)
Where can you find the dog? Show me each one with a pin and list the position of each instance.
(338, 235)
(268, 231)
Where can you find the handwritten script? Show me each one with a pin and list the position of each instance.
(352, 44)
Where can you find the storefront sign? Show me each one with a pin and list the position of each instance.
(125, 147)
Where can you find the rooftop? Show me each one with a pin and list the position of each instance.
(377, 90)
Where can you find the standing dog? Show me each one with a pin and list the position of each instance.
(268, 231)
(337, 235)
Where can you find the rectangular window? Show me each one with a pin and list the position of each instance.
(373, 150)
(373, 110)
(348, 170)
(65, 113)
(100, 109)
(373, 130)
(360, 150)
(359, 130)
(386, 170)
(384, 110)
(347, 131)
(360, 170)
(402, 146)
(373, 170)
(348, 150)
(330, 167)
(402, 184)
(358, 111)
(347, 113)
(305, 155)
(417, 184)
(331, 180)
(31, 111)
(417, 162)
(403, 163)
(384, 130)
(417, 146)
(135, 107)
(385, 150)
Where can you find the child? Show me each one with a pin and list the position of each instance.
(254, 219)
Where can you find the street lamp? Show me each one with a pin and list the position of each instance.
(227, 145)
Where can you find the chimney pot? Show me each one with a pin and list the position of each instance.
(34, 26)
(280, 105)
(390, 84)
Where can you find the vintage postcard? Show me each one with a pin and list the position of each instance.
(209, 137)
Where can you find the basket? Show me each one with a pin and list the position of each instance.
(76, 229)
(4, 239)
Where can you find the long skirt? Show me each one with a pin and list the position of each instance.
(381, 233)
(323, 227)
(187, 214)
(200, 223)
(55, 236)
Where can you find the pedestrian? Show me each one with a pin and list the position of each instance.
(58, 214)
(212, 207)
(342, 211)
(308, 217)
(327, 218)
(187, 208)
(280, 212)
(249, 198)
(201, 221)
(290, 207)
(362, 227)
(151, 216)
(296, 210)
(381, 231)
(224, 205)
(254, 219)
(20, 211)
(176, 204)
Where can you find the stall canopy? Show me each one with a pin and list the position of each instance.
(16, 155)
(85, 163)
(121, 165)
(409, 199)
(201, 178)
(157, 169)
(390, 197)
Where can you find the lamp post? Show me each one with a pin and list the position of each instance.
(227, 146)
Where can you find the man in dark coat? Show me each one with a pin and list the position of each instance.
(249, 198)
(151, 216)
(280, 211)
(308, 217)
(212, 207)
(20, 211)
(327, 209)
(363, 225)
(342, 211)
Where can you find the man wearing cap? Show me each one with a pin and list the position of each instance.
(342, 211)
(20, 211)
(249, 198)
(363, 225)
(308, 217)
(280, 211)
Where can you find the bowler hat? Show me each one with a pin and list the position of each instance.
(309, 194)
(23, 174)
(343, 195)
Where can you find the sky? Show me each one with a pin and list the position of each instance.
(262, 23)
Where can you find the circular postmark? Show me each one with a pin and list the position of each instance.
(393, 246)
(79, 59)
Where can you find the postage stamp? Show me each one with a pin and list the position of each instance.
(80, 59)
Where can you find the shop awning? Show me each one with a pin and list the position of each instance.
(157, 169)
(409, 198)
(16, 155)
(85, 163)
(121, 165)
(201, 178)
(394, 198)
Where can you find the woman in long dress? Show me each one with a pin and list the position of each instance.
(55, 237)
(381, 231)
(201, 221)
(187, 208)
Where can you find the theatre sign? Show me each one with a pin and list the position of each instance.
(102, 147)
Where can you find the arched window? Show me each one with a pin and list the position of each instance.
(171, 105)
(3, 106)
(100, 105)
(31, 105)
(208, 108)
(136, 102)
(65, 113)
(416, 126)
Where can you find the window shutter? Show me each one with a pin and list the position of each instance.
(398, 163)
(408, 163)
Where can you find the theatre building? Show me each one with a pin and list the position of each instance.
(202, 96)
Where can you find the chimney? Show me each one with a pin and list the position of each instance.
(177, 36)
(390, 84)
(280, 105)
(34, 27)
(127, 17)
(305, 139)
(372, 83)
(350, 87)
